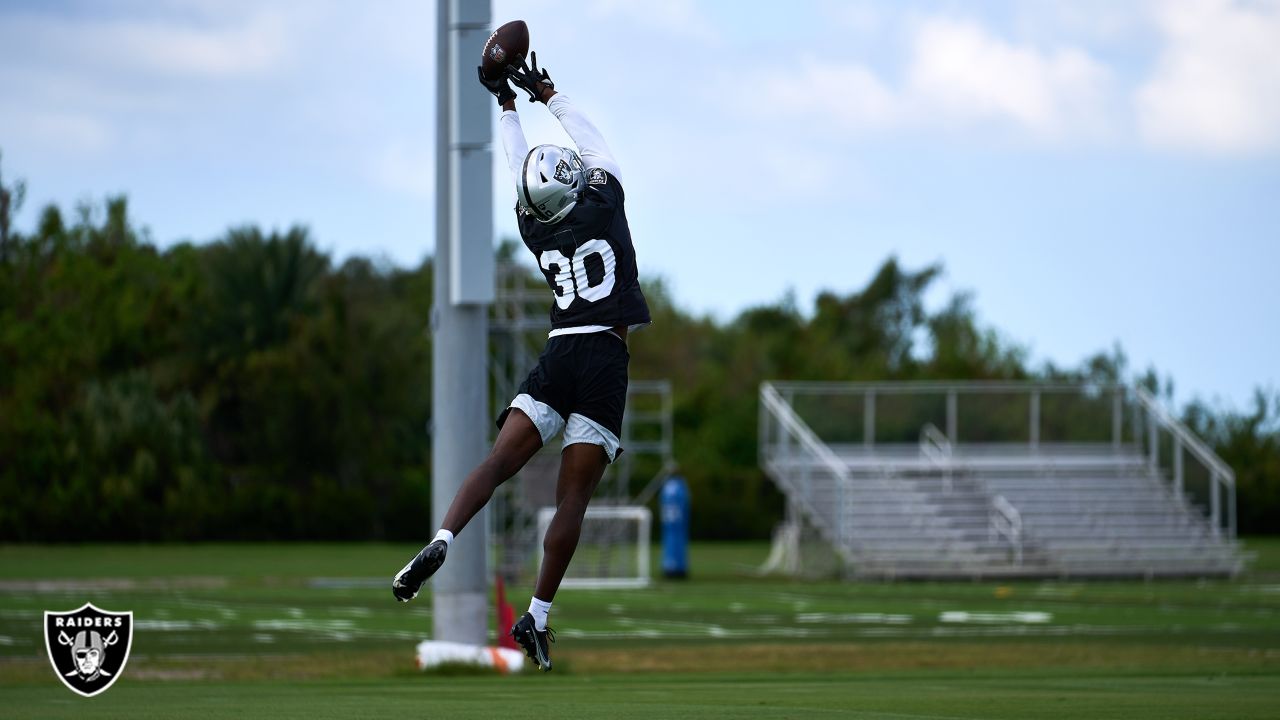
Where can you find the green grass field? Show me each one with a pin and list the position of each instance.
(311, 631)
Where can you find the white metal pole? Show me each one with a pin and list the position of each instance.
(464, 235)
(1215, 503)
(1033, 432)
(1117, 420)
(1231, 509)
(869, 418)
(952, 418)
(1177, 467)
(1153, 440)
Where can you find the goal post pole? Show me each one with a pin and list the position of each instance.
(463, 277)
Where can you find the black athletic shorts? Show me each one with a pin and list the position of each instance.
(583, 374)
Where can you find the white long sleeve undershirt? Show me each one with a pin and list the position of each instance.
(592, 148)
(514, 143)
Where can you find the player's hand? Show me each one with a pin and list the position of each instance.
(499, 87)
(530, 78)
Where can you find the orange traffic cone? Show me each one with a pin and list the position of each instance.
(506, 618)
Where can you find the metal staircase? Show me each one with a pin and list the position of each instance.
(1055, 494)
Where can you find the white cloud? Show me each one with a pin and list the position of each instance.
(957, 75)
(1096, 22)
(57, 132)
(850, 95)
(960, 72)
(678, 18)
(255, 46)
(1216, 87)
(240, 44)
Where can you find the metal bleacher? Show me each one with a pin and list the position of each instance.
(963, 480)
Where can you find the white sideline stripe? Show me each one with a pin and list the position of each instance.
(854, 618)
(872, 632)
(113, 584)
(20, 614)
(304, 625)
(176, 625)
(339, 583)
(994, 618)
(352, 611)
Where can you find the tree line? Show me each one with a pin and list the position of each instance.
(254, 388)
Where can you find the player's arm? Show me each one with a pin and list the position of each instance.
(591, 145)
(513, 140)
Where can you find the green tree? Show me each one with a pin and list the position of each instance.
(11, 197)
(1249, 442)
(252, 388)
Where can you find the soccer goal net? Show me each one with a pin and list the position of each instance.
(613, 551)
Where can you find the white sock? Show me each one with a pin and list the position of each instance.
(446, 536)
(539, 610)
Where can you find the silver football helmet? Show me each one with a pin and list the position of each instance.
(551, 183)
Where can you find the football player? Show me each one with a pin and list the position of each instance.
(569, 204)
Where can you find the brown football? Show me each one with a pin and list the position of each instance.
(508, 45)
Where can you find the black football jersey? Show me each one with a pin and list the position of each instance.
(588, 259)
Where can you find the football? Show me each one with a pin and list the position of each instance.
(507, 45)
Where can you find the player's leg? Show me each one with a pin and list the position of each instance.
(581, 467)
(590, 444)
(526, 425)
(518, 439)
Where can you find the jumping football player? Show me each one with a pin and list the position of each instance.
(570, 210)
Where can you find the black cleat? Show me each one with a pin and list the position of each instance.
(409, 580)
(536, 643)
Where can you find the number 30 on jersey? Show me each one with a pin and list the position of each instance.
(587, 275)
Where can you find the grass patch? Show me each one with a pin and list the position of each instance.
(311, 631)
(1266, 551)
(705, 695)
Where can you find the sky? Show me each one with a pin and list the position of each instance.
(1093, 173)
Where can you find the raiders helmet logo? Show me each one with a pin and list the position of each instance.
(596, 177)
(563, 173)
(497, 53)
(88, 647)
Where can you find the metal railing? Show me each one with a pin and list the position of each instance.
(792, 449)
(1006, 522)
(894, 412)
(1107, 417)
(936, 448)
(1162, 429)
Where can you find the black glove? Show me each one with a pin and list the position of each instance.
(498, 87)
(530, 79)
